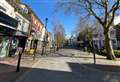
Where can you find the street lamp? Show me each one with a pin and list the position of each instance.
(46, 21)
(45, 37)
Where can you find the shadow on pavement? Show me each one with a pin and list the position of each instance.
(109, 68)
(8, 73)
(93, 75)
(77, 74)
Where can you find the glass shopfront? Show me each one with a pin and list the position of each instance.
(6, 33)
(4, 46)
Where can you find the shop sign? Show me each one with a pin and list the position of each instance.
(5, 19)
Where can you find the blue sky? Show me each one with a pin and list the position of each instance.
(45, 8)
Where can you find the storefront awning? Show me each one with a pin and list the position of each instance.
(6, 31)
(1, 24)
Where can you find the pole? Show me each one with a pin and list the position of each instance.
(34, 54)
(46, 21)
(35, 48)
(94, 57)
(42, 51)
(19, 59)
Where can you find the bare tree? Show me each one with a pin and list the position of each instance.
(59, 33)
(103, 11)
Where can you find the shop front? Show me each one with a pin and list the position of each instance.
(18, 40)
(8, 27)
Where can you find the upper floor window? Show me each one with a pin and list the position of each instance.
(112, 32)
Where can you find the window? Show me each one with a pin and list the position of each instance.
(113, 41)
(112, 32)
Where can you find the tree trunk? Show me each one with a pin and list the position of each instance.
(108, 46)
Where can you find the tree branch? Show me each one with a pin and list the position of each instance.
(114, 5)
(98, 3)
(106, 11)
(113, 12)
(90, 10)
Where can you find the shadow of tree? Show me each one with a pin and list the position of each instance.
(78, 73)
(8, 73)
(88, 72)
(109, 68)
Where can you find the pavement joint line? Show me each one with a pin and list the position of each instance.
(28, 71)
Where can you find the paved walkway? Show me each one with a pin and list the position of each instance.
(70, 65)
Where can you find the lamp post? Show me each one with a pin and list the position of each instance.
(44, 39)
(46, 21)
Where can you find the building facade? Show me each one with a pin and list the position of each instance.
(19, 27)
(8, 27)
(36, 34)
(98, 37)
(117, 27)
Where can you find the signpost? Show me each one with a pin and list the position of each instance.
(93, 50)
(20, 50)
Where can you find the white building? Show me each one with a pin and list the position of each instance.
(117, 20)
(99, 38)
(7, 8)
(117, 23)
(8, 26)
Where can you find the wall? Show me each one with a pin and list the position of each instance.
(38, 27)
(7, 8)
